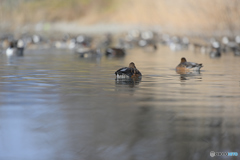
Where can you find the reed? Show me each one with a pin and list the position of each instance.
(203, 16)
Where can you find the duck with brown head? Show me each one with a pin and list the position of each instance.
(188, 66)
(128, 72)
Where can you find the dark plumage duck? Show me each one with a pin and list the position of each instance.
(236, 51)
(11, 50)
(88, 52)
(215, 53)
(128, 72)
(188, 66)
(117, 52)
(15, 48)
(20, 48)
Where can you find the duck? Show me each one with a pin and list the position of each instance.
(11, 50)
(128, 72)
(15, 48)
(117, 52)
(88, 52)
(20, 47)
(215, 53)
(188, 66)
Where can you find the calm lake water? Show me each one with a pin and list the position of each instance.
(57, 106)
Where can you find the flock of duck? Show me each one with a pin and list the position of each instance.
(92, 46)
(132, 72)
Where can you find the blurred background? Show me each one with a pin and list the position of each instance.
(61, 100)
(215, 17)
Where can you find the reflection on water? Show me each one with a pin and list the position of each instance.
(130, 82)
(55, 105)
(189, 75)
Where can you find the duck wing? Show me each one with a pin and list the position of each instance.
(192, 65)
(125, 71)
(137, 72)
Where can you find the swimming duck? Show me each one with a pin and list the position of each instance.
(215, 53)
(88, 52)
(15, 48)
(128, 72)
(11, 50)
(188, 66)
(117, 52)
(20, 47)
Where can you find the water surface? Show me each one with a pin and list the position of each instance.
(56, 105)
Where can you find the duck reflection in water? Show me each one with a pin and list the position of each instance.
(189, 75)
(130, 82)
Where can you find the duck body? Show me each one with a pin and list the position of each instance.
(20, 48)
(128, 72)
(188, 66)
(215, 53)
(11, 51)
(19, 51)
(15, 48)
(88, 52)
(117, 52)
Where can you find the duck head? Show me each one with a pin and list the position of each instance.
(132, 65)
(11, 44)
(183, 59)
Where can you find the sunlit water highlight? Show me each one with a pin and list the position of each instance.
(55, 105)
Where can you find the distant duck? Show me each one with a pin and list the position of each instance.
(150, 48)
(88, 52)
(20, 47)
(117, 52)
(236, 51)
(107, 41)
(215, 53)
(188, 66)
(128, 72)
(15, 48)
(11, 50)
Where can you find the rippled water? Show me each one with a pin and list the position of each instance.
(55, 105)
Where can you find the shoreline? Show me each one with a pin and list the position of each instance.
(50, 29)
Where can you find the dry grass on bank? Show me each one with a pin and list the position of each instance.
(179, 15)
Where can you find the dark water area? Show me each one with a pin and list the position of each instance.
(56, 105)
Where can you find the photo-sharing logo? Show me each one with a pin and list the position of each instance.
(213, 154)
